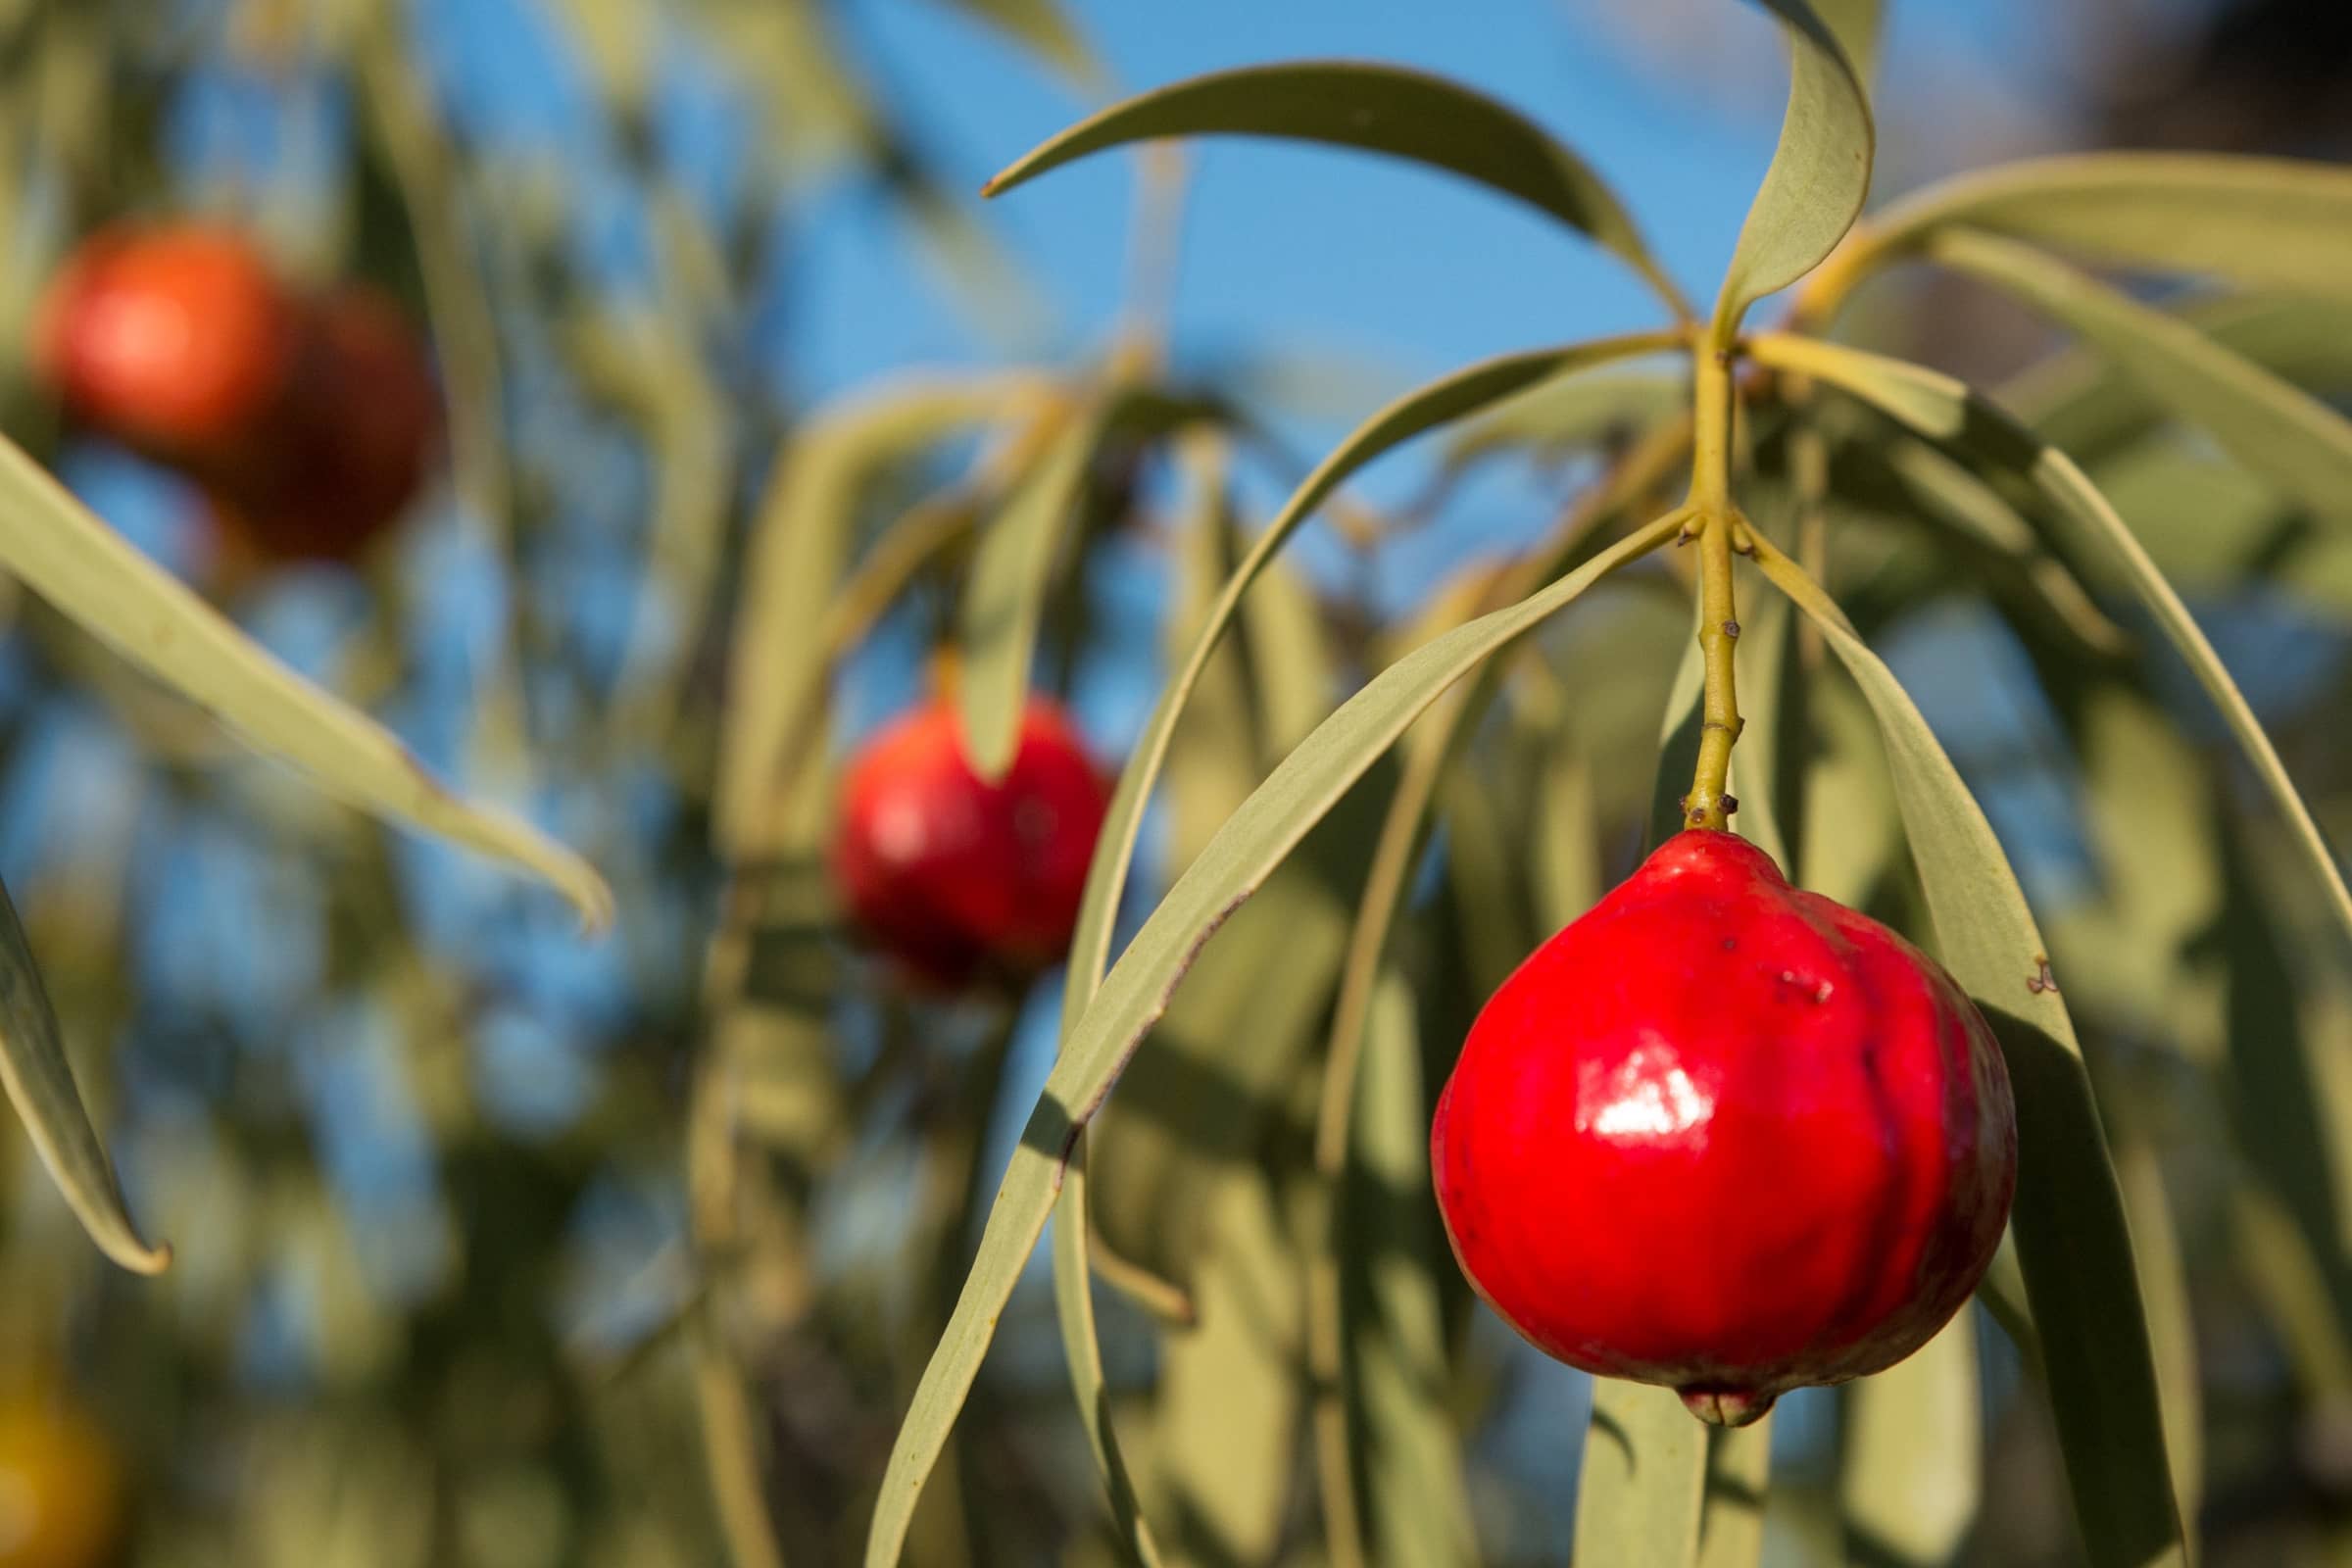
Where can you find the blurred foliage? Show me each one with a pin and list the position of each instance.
(499, 1247)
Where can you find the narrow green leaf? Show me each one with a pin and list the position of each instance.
(1677, 743)
(1759, 766)
(2086, 405)
(1006, 597)
(1225, 1426)
(1430, 406)
(58, 547)
(1440, 402)
(1646, 1468)
(2263, 222)
(799, 544)
(1136, 992)
(1731, 1521)
(1960, 507)
(2069, 1220)
(1911, 1476)
(1082, 1348)
(1372, 108)
(2271, 426)
(2172, 1332)
(1850, 829)
(1045, 31)
(1945, 410)
(1416, 1500)
(1576, 410)
(41, 1085)
(1819, 175)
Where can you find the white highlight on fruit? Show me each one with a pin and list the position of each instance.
(1645, 1094)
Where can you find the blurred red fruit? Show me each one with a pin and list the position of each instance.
(956, 878)
(176, 341)
(353, 439)
(1727, 1136)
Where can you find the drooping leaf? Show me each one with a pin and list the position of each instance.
(41, 1085)
(1090, 951)
(1418, 1504)
(58, 547)
(1645, 1473)
(1760, 767)
(1910, 1475)
(1731, 1520)
(1678, 744)
(2171, 1334)
(1440, 402)
(1136, 992)
(1225, 1426)
(1945, 410)
(2084, 404)
(1045, 31)
(1372, 108)
(2068, 1219)
(2273, 427)
(2263, 222)
(1082, 1350)
(1819, 175)
(799, 544)
(1961, 509)
(1006, 598)
(1559, 415)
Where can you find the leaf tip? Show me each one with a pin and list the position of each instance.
(136, 1255)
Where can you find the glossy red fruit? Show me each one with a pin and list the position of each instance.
(1727, 1136)
(352, 441)
(177, 341)
(956, 878)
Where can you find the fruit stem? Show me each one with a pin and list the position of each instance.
(1717, 526)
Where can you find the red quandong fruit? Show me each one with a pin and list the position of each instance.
(1726, 1136)
(177, 341)
(957, 879)
(352, 440)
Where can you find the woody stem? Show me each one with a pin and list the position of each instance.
(1717, 526)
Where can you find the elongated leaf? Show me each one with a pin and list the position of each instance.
(1645, 1465)
(1678, 744)
(1819, 175)
(2273, 427)
(60, 550)
(1760, 770)
(1911, 1475)
(2084, 404)
(1945, 410)
(1045, 31)
(1081, 1347)
(1225, 1428)
(1574, 410)
(1451, 398)
(1437, 404)
(997, 626)
(41, 1085)
(1371, 108)
(1136, 992)
(1731, 1520)
(2265, 222)
(799, 544)
(2171, 1334)
(2068, 1216)
(1418, 1506)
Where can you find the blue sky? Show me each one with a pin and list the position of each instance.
(1399, 271)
